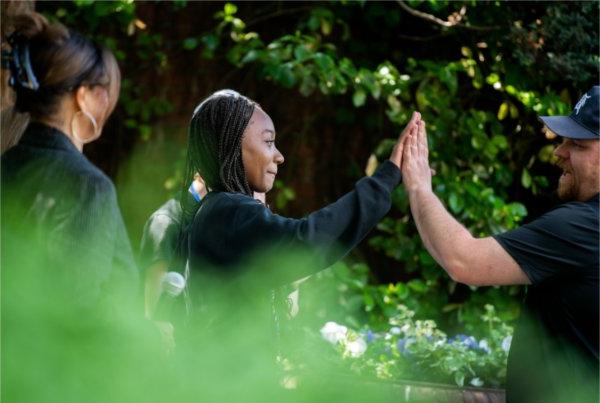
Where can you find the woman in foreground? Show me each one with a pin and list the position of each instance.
(61, 224)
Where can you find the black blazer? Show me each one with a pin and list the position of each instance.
(60, 215)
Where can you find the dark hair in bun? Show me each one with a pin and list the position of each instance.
(60, 60)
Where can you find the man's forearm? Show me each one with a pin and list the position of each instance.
(443, 236)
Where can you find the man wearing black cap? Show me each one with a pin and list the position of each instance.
(554, 354)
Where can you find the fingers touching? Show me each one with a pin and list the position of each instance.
(412, 123)
(411, 127)
(416, 172)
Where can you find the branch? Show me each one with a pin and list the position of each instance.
(454, 19)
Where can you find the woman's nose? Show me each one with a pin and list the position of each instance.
(279, 157)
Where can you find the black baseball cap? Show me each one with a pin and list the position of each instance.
(583, 122)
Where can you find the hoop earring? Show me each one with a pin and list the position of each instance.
(74, 130)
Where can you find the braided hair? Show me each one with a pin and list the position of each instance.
(215, 143)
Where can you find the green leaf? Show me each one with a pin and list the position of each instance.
(492, 79)
(456, 205)
(402, 291)
(313, 23)
(448, 77)
(500, 142)
(518, 210)
(478, 140)
(369, 301)
(190, 43)
(425, 258)
(325, 27)
(238, 24)
(546, 153)
(211, 41)
(503, 110)
(526, 178)
(417, 285)
(347, 67)
(285, 76)
(514, 111)
(250, 56)
(301, 53)
(325, 62)
(230, 9)
(359, 98)
(459, 378)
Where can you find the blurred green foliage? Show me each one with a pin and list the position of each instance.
(56, 350)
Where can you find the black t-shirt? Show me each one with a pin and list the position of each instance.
(554, 354)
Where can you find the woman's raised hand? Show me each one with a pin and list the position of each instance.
(411, 127)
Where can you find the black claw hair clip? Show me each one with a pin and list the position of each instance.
(18, 62)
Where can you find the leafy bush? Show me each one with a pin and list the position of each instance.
(417, 350)
(377, 334)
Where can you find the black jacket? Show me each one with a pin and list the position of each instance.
(60, 215)
(230, 229)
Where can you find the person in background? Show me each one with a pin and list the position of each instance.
(159, 249)
(554, 353)
(56, 205)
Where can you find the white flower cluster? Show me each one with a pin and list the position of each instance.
(352, 343)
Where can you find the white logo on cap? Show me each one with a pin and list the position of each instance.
(581, 102)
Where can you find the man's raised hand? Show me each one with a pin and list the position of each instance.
(398, 151)
(416, 173)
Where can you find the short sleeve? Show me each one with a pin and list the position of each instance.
(159, 240)
(561, 243)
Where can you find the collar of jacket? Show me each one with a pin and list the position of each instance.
(40, 135)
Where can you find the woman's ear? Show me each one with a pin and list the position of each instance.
(93, 100)
(80, 96)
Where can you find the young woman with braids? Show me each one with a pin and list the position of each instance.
(232, 145)
(57, 207)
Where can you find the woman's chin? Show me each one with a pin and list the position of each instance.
(269, 182)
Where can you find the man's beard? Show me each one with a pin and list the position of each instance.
(567, 189)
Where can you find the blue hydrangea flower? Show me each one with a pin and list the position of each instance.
(484, 346)
(402, 345)
(506, 343)
(468, 341)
